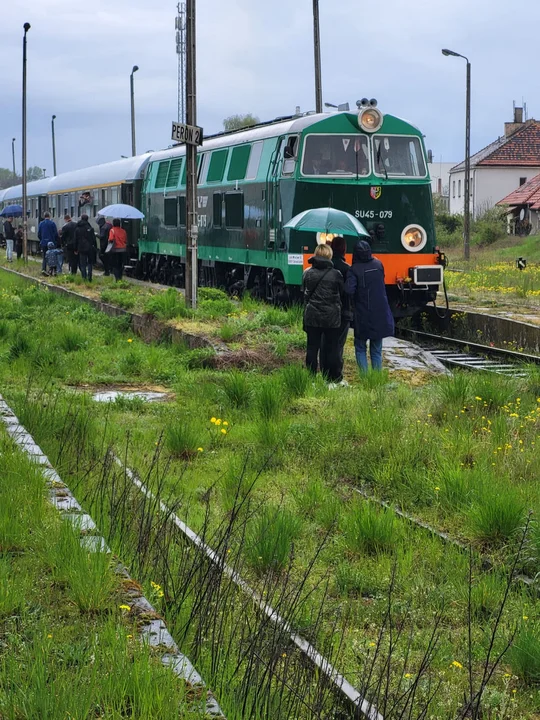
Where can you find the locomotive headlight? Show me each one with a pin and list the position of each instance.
(413, 238)
(370, 119)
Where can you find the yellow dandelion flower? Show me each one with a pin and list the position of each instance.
(225, 423)
(218, 422)
(213, 420)
(457, 664)
(199, 449)
(437, 488)
(372, 644)
(130, 339)
(525, 617)
(477, 397)
(125, 607)
(223, 431)
(284, 655)
(49, 636)
(129, 637)
(408, 675)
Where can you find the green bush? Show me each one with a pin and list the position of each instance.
(237, 389)
(209, 293)
(489, 227)
(215, 309)
(270, 539)
(167, 305)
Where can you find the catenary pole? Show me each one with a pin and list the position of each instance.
(13, 156)
(467, 207)
(53, 145)
(24, 213)
(132, 99)
(317, 52)
(192, 229)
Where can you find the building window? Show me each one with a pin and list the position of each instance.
(234, 210)
(454, 188)
(170, 212)
(182, 210)
(522, 181)
(459, 188)
(217, 210)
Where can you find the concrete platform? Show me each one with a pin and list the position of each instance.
(405, 356)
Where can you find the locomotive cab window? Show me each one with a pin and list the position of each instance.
(398, 156)
(289, 155)
(338, 155)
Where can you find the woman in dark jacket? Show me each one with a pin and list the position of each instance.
(373, 319)
(323, 290)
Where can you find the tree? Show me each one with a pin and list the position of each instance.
(7, 179)
(237, 122)
(34, 173)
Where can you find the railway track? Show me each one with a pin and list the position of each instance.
(465, 355)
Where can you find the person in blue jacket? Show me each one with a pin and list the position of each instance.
(373, 319)
(47, 232)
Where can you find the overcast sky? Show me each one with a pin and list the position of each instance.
(256, 56)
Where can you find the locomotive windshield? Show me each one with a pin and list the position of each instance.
(339, 155)
(398, 156)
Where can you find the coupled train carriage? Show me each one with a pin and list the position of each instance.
(250, 184)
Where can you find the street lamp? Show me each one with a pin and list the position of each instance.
(53, 145)
(466, 188)
(13, 154)
(26, 27)
(135, 68)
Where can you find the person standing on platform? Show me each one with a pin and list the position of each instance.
(47, 232)
(104, 230)
(373, 319)
(323, 290)
(85, 247)
(69, 243)
(118, 251)
(19, 238)
(9, 234)
(339, 248)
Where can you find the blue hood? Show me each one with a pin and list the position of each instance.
(362, 252)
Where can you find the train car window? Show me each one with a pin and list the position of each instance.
(114, 195)
(217, 165)
(289, 155)
(239, 162)
(254, 160)
(203, 168)
(183, 181)
(173, 175)
(398, 156)
(217, 212)
(161, 177)
(66, 204)
(182, 210)
(337, 155)
(170, 212)
(234, 210)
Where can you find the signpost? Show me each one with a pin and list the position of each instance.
(192, 136)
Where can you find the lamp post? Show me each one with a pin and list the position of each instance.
(26, 27)
(135, 68)
(192, 228)
(13, 155)
(466, 184)
(317, 52)
(53, 145)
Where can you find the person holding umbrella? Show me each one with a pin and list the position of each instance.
(373, 319)
(117, 248)
(323, 286)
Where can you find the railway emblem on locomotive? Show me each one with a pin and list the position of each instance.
(375, 192)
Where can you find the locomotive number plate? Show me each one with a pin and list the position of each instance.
(373, 214)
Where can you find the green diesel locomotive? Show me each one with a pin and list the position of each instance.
(251, 182)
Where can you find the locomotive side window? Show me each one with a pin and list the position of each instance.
(161, 176)
(239, 162)
(254, 160)
(170, 212)
(337, 155)
(398, 156)
(173, 175)
(217, 166)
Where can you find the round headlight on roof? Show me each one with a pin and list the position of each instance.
(414, 238)
(370, 119)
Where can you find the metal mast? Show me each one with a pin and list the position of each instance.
(180, 25)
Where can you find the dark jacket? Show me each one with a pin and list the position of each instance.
(47, 232)
(323, 290)
(9, 231)
(365, 283)
(347, 307)
(68, 235)
(85, 238)
(19, 237)
(104, 230)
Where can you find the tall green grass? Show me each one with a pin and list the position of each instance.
(367, 529)
(270, 539)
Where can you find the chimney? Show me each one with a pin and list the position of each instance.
(511, 127)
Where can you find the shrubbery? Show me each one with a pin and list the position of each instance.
(486, 229)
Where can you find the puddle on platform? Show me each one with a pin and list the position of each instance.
(146, 395)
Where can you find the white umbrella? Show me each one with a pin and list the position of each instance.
(121, 211)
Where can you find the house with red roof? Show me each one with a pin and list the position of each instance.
(524, 208)
(498, 169)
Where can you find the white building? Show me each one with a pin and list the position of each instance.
(498, 169)
(439, 173)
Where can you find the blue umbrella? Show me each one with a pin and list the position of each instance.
(12, 211)
(121, 211)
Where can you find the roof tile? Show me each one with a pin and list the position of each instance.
(527, 194)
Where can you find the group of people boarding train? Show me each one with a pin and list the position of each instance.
(338, 295)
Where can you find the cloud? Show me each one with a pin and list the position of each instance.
(257, 57)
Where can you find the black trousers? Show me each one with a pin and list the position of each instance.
(329, 359)
(105, 259)
(117, 260)
(343, 332)
(72, 260)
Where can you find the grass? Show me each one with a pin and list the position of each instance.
(443, 451)
(525, 654)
